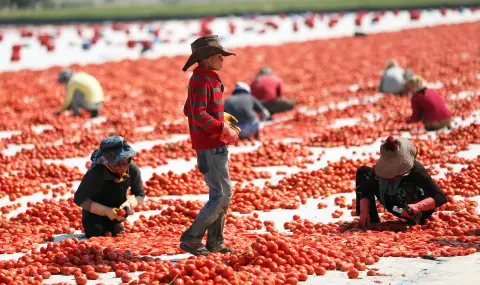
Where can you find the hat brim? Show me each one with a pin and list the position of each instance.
(124, 152)
(205, 52)
(391, 166)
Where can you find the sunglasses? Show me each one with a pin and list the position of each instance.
(125, 161)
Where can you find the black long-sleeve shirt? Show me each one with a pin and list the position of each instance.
(243, 107)
(94, 180)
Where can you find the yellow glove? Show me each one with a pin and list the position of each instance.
(101, 210)
(232, 122)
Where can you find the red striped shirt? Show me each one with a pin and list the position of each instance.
(204, 109)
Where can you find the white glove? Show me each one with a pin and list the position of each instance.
(131, 203)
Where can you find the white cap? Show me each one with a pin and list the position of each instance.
(242, 87)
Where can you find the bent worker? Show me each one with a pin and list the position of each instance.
(243, 106)
(104, 188)
(83, 92)
(267, 88)
(210, 133)
(400, 183)
(428, 106)
(394, 78)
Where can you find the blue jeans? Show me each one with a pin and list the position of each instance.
(213, 164)
(249, 129)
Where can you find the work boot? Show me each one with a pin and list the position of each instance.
(195, 248)
(220, 249)
(94, 113)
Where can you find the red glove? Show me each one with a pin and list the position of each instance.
(229, 136)
(424, 205)
(364, 213)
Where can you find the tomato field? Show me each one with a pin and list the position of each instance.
(292, 217)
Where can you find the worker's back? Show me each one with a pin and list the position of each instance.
(241, 107)
(393, 81)
(88, 85)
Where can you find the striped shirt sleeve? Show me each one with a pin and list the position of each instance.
(199, 97)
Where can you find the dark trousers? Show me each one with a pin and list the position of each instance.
(364, 181)
(97, 226)
(278, 105)
(249, 129)
(79, 102)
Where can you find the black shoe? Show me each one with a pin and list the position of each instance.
(195, 248)
(94, 113)
(220, 249)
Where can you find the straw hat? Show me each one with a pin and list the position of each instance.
(205, 47)
(415, 84)
(397, 156)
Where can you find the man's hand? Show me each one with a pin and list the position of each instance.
(112, 215)
(229, 136)
(122, 214)
(102, 210)
(364, 221)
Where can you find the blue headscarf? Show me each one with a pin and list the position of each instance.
(111, 151)
(64, 76)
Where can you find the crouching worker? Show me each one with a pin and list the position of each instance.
(103, 190)
(394, 78)
(83, 92)
(428, 106)
(267, 88)
(401, 184)
(242, 106)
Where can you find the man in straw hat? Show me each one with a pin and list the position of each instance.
(401, 184)
(210, 131)
(394, 78)
(428, 106)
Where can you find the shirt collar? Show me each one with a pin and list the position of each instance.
(205, 71)
(108, 175)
